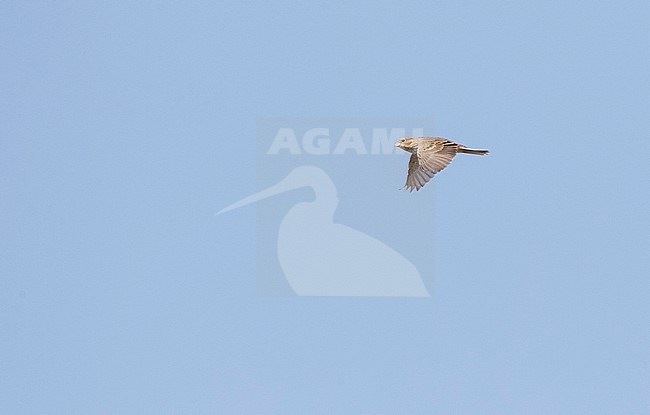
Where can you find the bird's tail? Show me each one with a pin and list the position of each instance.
(472, 151)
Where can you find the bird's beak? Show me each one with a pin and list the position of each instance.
(280, 187)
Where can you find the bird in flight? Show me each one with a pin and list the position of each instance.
(429, 155)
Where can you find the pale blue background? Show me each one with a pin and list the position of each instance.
(124, 127)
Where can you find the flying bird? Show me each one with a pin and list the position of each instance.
(429, 155)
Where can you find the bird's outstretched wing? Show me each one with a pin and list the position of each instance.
(431, 157)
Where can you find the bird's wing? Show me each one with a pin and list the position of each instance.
(437, 155)
(416, 177)
(431, 157)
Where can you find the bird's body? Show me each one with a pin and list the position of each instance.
(429, 155)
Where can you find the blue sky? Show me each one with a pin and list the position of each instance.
(125, 127)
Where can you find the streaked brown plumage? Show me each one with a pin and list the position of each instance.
(429, 155)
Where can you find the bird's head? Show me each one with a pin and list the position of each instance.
(407, 144)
